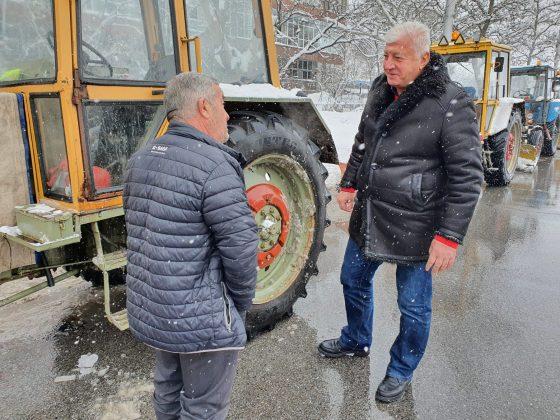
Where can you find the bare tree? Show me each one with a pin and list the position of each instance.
(334, 30)
(557, 51)
(449, 17)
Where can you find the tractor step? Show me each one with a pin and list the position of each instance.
(112, 261)
(119, 319)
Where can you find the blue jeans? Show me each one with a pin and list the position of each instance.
(414, 287)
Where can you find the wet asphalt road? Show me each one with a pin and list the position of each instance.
(494, 351)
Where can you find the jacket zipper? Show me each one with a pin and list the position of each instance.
(227, 308)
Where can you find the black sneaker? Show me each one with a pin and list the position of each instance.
(391, 389)
(332, 348)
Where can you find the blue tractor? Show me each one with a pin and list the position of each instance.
(539, 86)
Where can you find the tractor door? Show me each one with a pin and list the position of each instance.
(498, 86)
(127, 50)
(469, 70)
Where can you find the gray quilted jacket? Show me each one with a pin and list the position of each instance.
(192, 243)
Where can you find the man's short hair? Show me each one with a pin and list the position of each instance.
(416, 32)
(183, 92)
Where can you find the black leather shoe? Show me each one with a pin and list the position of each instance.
(391, 389)
(331, 348)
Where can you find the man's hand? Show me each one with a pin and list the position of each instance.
(346, 200)
(442, 257)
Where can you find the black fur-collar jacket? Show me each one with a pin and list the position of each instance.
(416, 163)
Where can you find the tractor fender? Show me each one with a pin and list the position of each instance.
(298, 109)
(502, 113)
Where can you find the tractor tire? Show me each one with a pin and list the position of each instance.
(505, 147)
(279, 153)
(551, 144)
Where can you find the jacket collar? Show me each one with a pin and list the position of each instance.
(432, 82)
(181, 129)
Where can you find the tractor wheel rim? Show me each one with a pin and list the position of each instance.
(510, 146)
(272, 215)
(512, 149)
(286, 221)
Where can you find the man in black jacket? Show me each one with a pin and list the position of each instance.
(412, 184)
(192, 252)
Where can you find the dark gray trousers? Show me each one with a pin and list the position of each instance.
(194, 385)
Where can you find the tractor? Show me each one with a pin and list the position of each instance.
(538, 87)
(482, 68)
(81, 89)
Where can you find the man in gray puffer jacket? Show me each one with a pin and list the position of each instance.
(192, 252)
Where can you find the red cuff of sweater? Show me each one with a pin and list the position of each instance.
(348, 189)
(446, 241)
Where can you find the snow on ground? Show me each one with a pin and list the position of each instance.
(343, 127)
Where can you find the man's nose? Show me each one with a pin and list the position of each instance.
(227, 116)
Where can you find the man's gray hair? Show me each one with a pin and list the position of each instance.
(416, 32)
(183, 92)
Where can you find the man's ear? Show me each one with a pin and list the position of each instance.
(203, 107)
(425, 59)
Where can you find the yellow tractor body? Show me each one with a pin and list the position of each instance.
(86, 85)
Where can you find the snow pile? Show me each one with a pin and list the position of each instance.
(257, 90)
(86, 366)
(526, 165)
(39, 209)
(343, 127)
(10, 230)
(334, 176)
(86, 362)
(42, 210)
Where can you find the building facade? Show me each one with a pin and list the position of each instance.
(301, 28)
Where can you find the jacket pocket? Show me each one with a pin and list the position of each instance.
(416, 187)
(227, 308)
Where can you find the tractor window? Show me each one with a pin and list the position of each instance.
(26, 41)
(498, 81)
(126, 41)
(232, 38)
(556, 88)
(528, 86)
(550, 85)
(49, 133)
(114, 131)
(468, 70)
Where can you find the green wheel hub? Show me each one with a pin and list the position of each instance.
(286, 221)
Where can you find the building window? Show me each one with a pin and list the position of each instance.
(313, 3)
(298, 32)
(335, 6)
(303, 69)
